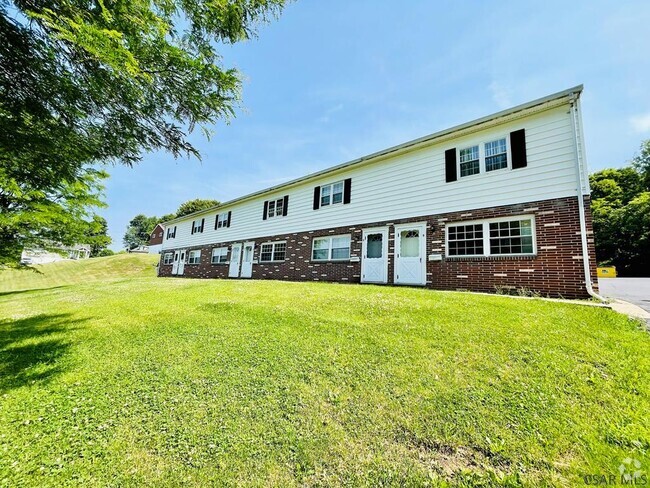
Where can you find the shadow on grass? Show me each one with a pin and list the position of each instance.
(27, 290)
(32, 349)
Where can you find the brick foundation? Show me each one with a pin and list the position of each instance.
(556, 270)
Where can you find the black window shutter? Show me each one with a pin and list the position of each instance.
(518, 148)
(347, 190)
(229, 215)
(285, 207)
(202, 224)
(174, 236)
(193, 226)
(266, 210)
(450, 165)
(216, 221)
(317, 198)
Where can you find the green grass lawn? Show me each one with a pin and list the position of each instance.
(170, 382)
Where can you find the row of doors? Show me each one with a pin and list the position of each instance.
(410, 250)
(239, 267)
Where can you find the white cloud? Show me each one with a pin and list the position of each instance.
(500, 95)
(641, 123)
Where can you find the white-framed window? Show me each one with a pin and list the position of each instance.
(331, 194)
(222, 220)
(273, 251)
(197, 226)
(171, 232)
(194, 257)
(487, 156)
(276, 208)
(168, 258)
(219, 255)
(496, 154)
(469, 161)
(506, 236)
(331, 248)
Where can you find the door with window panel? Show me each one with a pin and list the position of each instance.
(247, 260)
(374, 260)
(177, 255)
(181, 261)
(410, 250)
(235, 257)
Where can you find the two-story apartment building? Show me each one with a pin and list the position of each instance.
(498, 203)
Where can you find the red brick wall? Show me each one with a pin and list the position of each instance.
(556, 270)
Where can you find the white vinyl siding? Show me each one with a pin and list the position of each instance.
(331, 248)
(507, 236)
(194, 257)
(413, 184)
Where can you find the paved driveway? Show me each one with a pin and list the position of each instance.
(634, 290)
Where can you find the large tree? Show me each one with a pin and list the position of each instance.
(97, 236)
(34, 218)
(83, 83)
(139, 231)
(621, 215)
(195, 205)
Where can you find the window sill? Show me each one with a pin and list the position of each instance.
(518, 257)
(219, 264)
(272, 262)
(331, 261)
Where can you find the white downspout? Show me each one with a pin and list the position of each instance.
(583, 187)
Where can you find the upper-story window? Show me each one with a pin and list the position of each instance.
(276, 208)
(333, 193)
(512, 236)
(491, 155)
(469, 161)
(483, 158)
(496, 155)
(197, 226)
(222, 220)
(171, 232)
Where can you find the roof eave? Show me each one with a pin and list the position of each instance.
(568, 93)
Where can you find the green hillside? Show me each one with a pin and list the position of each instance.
(65, 273)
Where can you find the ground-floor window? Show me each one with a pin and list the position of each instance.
(194, 257)
(168, 258)
(331, 248)
(273, 251)
(219, 255)
(508, 236)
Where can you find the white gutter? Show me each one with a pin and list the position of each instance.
(583, 188)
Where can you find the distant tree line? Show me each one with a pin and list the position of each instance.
(141, 226)
(620, 204)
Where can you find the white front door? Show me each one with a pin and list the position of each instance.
(247, 260)
(410, 251)
(374, 257)
(235, 257)
(175, 263)
(181, 261)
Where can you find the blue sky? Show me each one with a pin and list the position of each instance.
(332, 81)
